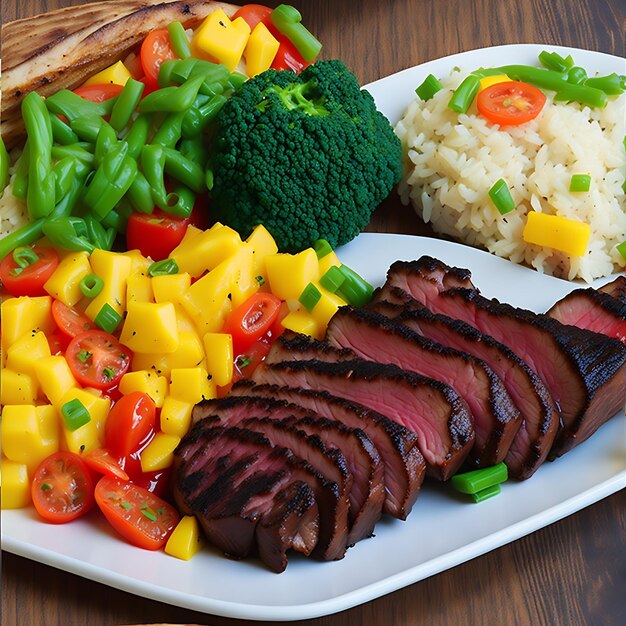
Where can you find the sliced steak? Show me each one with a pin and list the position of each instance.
(292, 346)
(584, 371)
(403, 464)
(246, 492)
(433, 410)
(540, 417)
(375, 337)
(616, 288)
(594, 310)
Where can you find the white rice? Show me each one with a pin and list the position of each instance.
(451, 161)
(13, 211)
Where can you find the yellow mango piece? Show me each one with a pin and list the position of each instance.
(219, 38)
(159, 453)
(139, 264)
(186, 539)
(327, 261)
(487, 81)
(116, 74)
(301, 321)
(29, 433)
(191, 384)
(245, 282)
(55, 377)
(176, 416)
(190, 353)
(260, 50)
(15, 487)
(91, 435)
(139, 289)
(24, 353)
(263, 245)
(170, 287)
(219, 357)
(64, 284)
(114, 269)
(21, 316)
(147, 381)
(150, 328)
(560, 233)
(325, 308)
(289, 274)
(17, 388)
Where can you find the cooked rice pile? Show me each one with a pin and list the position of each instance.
(452, 160)
(13, 211)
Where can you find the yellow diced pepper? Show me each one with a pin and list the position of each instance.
(245, 282)
(190, 353)
(221, 39)
(159, 453)
(260, 50)
(91, 435)
(21, 316)
(29, 433)
(325, 308)
(176, 416)
(150, 328)
(17, 388)
(219, 357)
(15, 488)
(487, 81)
(170, 287)
(327, 261)
(55, 377)
(64, 284)
(147, 381)
(289, 274)
(302, 321)
(116, 74)
(114, 269)
(560, 233)
(191, 384)
(186, 539)
(139, 289)
(25, 352)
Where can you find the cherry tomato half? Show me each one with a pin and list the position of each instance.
(510, 103)
(155, 49)
(143, 519)
(252, 14)
(102, 461)
(155, 235)
(62, 488)
(71, 322)
(29, 280)
(99, 92)
(97, 359)
(129, 422)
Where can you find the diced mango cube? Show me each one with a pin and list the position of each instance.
(159, 453)
(55, 377)
(289, 274)
(24, 353)
(260, 50)
(17, 388)
(139, 289)
(327, 261)
(219, 357)
(176, 416)
(150, 328)
(147, 381)
(15, 488)
(170, 287)
(244, 282)
(487, 81)
(186, 539)
(263, 245)
(64, 284)
(91, 435)
(139, 264)
(301, 321)
(116, 74)
(114, 269)
(190, 353)
(191, 384)
(24, 316)
(326, 307)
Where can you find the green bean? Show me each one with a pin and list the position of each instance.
(24, 236)
(40, 196)
(20, 176)
(611, 85)
(105, 142)
(96, 233)
(554, 61)
(72, 106)
(178, 39)
(61, 132)
(427, 89)
(37, 123)
(126, 104)
(118, 217)
(582, 94)
(197, 119)
(288, 20)
(67, 203)
(137, 136)
(464, 94)
(172, 99)
(139, 194)
(76, 151)
(69, 233)
(576, 75)
(236, 79)
(184, 170)
(64, 172)
(193, 148)
(4, 166)
(153, 168)
(169, 132)
(87, 128)
(180, 202)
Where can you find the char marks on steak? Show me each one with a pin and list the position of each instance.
(375, 337)
(584, 371)
(616, 288)
(247, 493)
(430, 408)
(540, 417)
(291, 346)
(594, 310)
(403, 463)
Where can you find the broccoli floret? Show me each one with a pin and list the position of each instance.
(308, 156)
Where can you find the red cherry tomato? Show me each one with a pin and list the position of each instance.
(255, 13)
(142, 518)
(97, 359)
(62, 488)
(29, 280)
(71, 322)
(58, 343)
(510, 103)
(102, 461)
(129, 422)
(288, 57)
(155, 49)
(155, 235)
(99, 92)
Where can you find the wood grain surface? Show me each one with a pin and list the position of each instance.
(573, 572)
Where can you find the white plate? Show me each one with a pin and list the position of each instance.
(442, 531)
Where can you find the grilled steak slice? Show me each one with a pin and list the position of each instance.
(403, 464)
(430, 408)
(366, 471)
(233, 480)
(584, 371)
(594, 310)
(375, 337)
(540, 417)
(616, 288)
(291, 346)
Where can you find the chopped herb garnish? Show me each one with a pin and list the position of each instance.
(46, 487)
(243, 361)
(125, 505)
(83, 356)
(259, 279)
(148, 512)
(108, 373)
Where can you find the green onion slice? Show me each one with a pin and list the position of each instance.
(621, 248)
(24, 256)
(91, 285)
(429, 88)
(164, 267)
(75, 414)
(501, 197)
(354, 290)
(484, 494)
(309, 297)
(108, 318)
(332, 279)
(322, 248)
(580, 183)
(478, 480)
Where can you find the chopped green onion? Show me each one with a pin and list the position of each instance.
(580, 182)
(429, 88)
(621, 248)
(125, 505)
(322, 248)
(91, 285)
(108, 318)
(75, 414)
(354, 290)
(464, 94)
(309, 297)
(148, 512)
(478, 480)
(501, 197)
(24, 256)
(108, 373)
(83, 356)
(332, 279)
(243, 361)
(46, 487)
(259, 279)
(484, 494)
(164, 267)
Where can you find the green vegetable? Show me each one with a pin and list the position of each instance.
(164, 267)
(576, 75)
(611, 85)
(153, 168)
(486, 493)
(139, 194)
(172, 99)
(91, 285)
(170, 131)
(355, 290)
(61, 132)
(137, 136)
(464, 94)
(332, 279)
(475, 481)
(23, 236)
(69, 233)
(4, 166)
(308, 156)
(126, 104)
(309, 297)
(178, 39)
(288, 21)
(580, 183)
(75, 414)
(428, 88)
(64, 172)
(322, 248)
(20, 177)
(24, 256)
(554, 61)
(501, 197)
(108, 318)
(180, 202)
(72, 106)
(184, 170)
(621, 248)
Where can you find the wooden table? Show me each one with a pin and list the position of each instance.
(572, 572)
